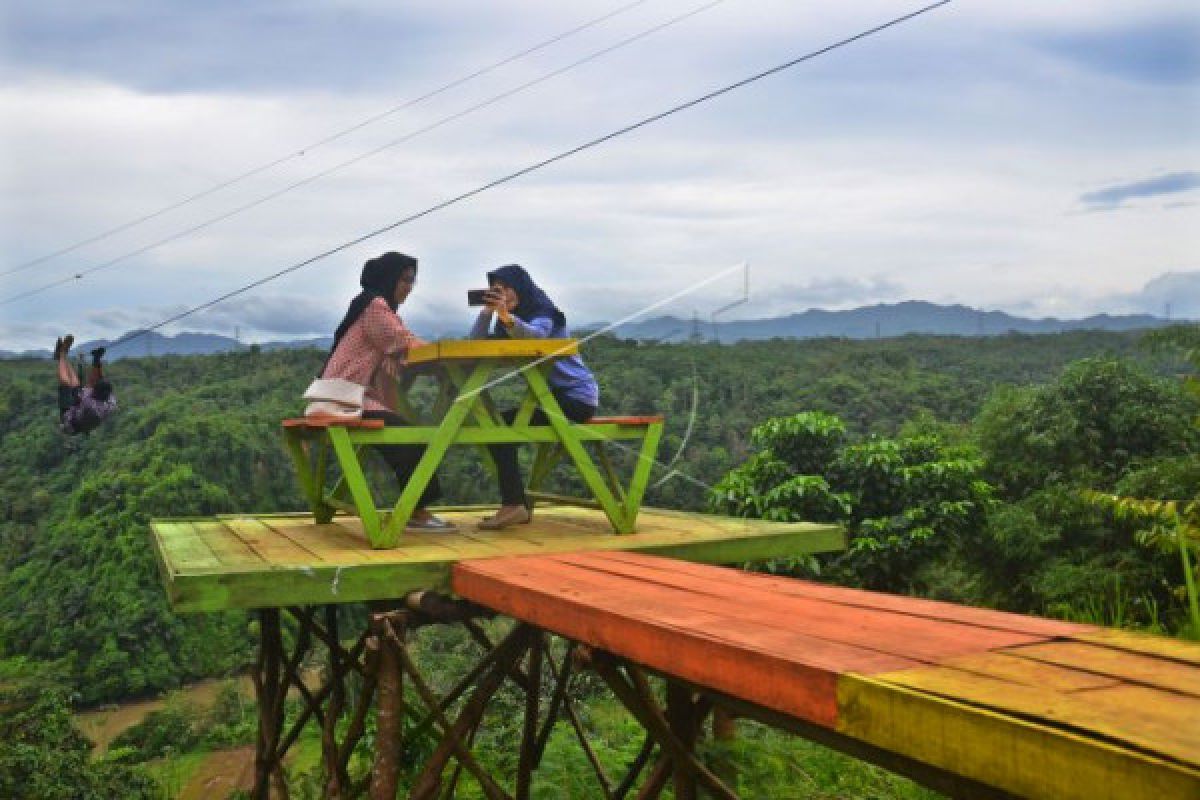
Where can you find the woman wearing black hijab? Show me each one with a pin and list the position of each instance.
(523, 311)
(369, 348)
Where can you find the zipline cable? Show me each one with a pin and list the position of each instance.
(363, 156)
(534, 167)
(328, 139)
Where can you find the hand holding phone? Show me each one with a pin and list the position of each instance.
(477, 297)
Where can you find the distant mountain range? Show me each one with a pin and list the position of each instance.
(184, 344)
(868, 322)
(883, 320)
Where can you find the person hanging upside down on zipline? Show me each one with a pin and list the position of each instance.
(82, 408)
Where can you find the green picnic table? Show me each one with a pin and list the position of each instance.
(465, 413)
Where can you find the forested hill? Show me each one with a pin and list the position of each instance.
(867, 322)
(80, 598)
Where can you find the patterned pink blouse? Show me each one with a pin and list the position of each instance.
(372, 353)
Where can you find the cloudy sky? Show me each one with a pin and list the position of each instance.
(1040, 158)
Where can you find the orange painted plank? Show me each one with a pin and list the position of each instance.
(533, 573)
(317, 421)
(860, 598)
(1129, 667)
(1138, 717)
(805, 692)
(915, 638)
(643, 420)
(741, 662)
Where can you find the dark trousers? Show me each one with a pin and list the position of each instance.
(68, 397)
(403, 458)
(512, 485)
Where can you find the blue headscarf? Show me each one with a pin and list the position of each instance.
(532, 302)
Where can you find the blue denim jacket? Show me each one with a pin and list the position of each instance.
(568, 375)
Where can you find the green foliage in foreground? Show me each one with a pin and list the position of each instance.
(42, 757)
(1006, 521)
(904, 501)
(1103, 425)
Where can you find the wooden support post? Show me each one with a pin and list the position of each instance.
(390, 714)
(336, 781)
(319, 697)
(635, 768)
(657, 780)
(561, 684)
(358, 719)
(428, 784)
(634, 694)
(682, 719)
(592, 758)
(533, 691)
(268, 688)
(724, 732)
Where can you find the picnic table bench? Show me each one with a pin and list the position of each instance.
(464, 413)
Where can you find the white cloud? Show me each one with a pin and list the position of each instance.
(941, 160)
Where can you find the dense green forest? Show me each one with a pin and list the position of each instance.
(961, 467)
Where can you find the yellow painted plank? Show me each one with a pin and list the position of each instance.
(492, 348)
(228, 548)
(1149, 644)
(1030, 673)
(1132, 667)
(1028, 759)
(1152, 724)
(273, 548)
(330, 544)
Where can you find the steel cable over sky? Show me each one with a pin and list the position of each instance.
(80, 275)
(535, 167)
(333, 137)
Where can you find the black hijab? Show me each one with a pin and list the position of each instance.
(379, 278)
(532, 302)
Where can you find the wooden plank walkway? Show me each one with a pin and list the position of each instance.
(1029, 706)
(277, 560)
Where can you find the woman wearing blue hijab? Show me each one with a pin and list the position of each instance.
(523, 311)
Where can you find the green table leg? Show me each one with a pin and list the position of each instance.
(461, 408)
(356, 481)
(614, 510)
(309, 483)
(641, 473)
(547, 455)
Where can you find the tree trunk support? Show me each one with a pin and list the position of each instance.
(373, 671)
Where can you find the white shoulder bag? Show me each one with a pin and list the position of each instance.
(334, 397)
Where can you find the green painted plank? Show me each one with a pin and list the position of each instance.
(184, 550)
(306, 586)
(425, 561)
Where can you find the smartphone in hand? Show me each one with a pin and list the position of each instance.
(476, 297)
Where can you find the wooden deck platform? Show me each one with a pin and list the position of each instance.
(277, 560)
(1027, 706)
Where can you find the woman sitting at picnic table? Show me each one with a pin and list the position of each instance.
(369, 349)
(523, 311)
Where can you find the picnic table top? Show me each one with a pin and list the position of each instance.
(275, 560)
(492, 348)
